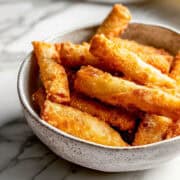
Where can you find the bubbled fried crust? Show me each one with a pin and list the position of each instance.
(39, 98)
(158, 58)
(116, 22)
(45, 50)
(152, 129)
(175, 72)
(80, 124)
(123, 60)
(52, 74)
(75, 55)
(116, 117)
(174, 130)
(119, 92)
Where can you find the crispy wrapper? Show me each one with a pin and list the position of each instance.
(175, 71)
(80, 124)
(119, 92)
(116, 22)
(52, 74)
(123, 60)
(39, 98)
(152, 129)
(116, 117)
(76, 55)
(158, 58)
(174, 130)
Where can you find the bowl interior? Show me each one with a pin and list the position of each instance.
(156, 36)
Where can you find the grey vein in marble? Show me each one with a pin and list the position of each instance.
(25, 155)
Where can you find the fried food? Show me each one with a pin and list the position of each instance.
(175, 71)
(39, 98)
(158, 58)
(76, 55)
(116, 22)
(80, 124)
(132, 99)
(116, 117)
(123, 60)
(45, 50)
(152, 129)
(174, 130)
(52, 74)
(119, 92)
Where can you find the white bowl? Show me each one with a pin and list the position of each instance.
(89, 154)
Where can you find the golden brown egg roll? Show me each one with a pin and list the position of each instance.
(80, 124)
(158, 58)
(152, 129)
(123, 60)
(175, 71)
(116, 117)
(39, 98)
(119, 92)
(52, 74)
(116, 22)
(174, 129)
(76, 55)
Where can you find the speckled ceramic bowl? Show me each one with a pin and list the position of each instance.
(88, 154)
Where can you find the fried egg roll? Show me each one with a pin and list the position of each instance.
(175, 71)
(158, 58)
(119, 92)
(80, 124)
(116, 22)
(76, 55)
(39, 98)
(116, 117)
(123, 60)
(174, 130)
(152, 129)
(52, 74)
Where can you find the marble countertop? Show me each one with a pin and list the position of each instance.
(22, 155)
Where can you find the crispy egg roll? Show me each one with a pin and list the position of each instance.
(116, 22)
(123, 60)
(119, 92)
(158, 58)
(152, 129)
(52, 74)
(76, 55)
(116, 117)
(80, 124)
(39, 98)
(174, 130)
(175, 71)
(45, 50)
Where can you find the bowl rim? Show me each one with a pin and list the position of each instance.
(30, 110)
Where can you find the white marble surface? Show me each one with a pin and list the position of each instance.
(22, 155)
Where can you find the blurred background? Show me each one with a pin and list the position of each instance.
(22, 21)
